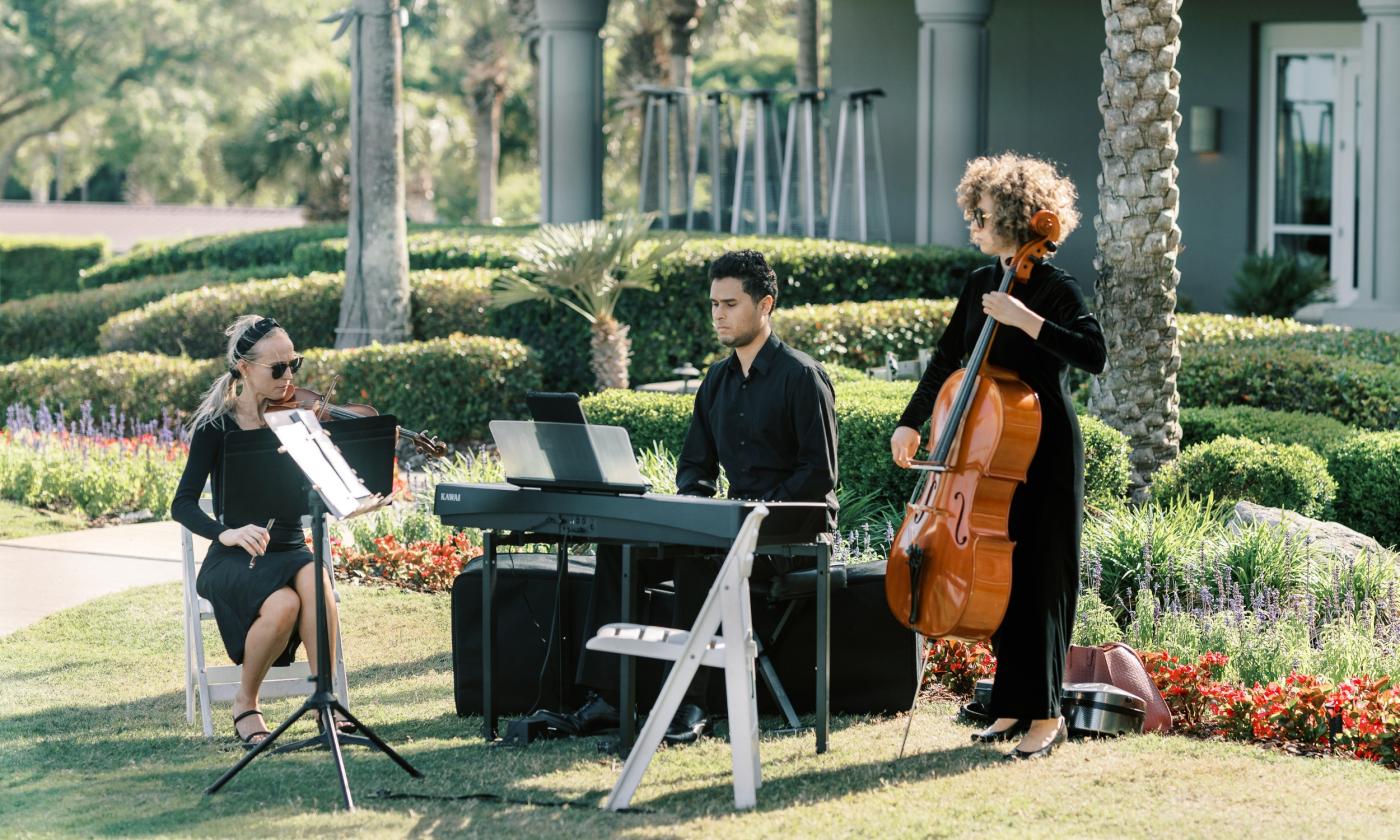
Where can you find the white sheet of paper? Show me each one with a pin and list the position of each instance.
(304, 439)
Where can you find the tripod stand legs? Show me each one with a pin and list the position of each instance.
(322, 699)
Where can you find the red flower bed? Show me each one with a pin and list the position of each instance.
(1302, 713)
(423, 566)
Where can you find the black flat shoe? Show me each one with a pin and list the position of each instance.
(595, 715)
(247, 740)
(1060, 735)
(687, 725)
(1014, 730)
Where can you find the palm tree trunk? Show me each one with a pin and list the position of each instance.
(375, 305)
(487, 107)
(682, 15)
(1138, 238)
(808, 61)
(612, 351)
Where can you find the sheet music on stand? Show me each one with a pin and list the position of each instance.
(331, 475)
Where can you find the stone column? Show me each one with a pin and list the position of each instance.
(952, 115)
(571, 109)
(1379, 263)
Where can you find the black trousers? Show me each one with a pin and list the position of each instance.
(693, 571)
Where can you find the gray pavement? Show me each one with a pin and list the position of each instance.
(41, 575)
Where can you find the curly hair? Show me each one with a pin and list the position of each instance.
(1019, 186)
(751, 269)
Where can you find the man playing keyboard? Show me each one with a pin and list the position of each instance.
(766, 415)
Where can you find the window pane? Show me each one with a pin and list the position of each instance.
(1307, 91)
(1304, 243)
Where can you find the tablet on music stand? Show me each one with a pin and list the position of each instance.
(554, 407)
(568, 456)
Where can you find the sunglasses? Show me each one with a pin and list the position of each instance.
(279, 369)
(978, 216)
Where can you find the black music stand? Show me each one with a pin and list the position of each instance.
(322, 477)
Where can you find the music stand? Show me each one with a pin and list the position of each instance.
(331, 485)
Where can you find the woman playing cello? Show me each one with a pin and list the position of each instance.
(1050, 329)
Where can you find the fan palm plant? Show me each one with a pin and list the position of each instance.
(587, 266)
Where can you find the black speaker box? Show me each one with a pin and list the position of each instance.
(874, 659)
(523, 607)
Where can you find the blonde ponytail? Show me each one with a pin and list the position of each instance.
(220, 397)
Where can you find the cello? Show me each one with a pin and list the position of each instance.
(949, 570)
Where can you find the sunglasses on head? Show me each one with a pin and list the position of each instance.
(279, 369)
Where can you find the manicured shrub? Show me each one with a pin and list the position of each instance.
(1231, 468)
(192, 323)
(860, 334)
(1353, 391)
(866, 415)
(67, 323)
(34, 265)
(225, 250)
(1367, 469)
(1316, 432)
(449, 248)
(451, 387)
(139, 385)
(1210, 328)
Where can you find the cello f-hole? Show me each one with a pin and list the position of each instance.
(960, 529)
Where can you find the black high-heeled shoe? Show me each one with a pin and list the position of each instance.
(1061, 734)
(1012, 731)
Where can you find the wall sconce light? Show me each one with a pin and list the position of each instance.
(1205, 129)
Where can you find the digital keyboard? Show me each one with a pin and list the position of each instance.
(646, 518)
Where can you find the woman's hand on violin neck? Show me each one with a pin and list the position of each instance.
(1007, 310)
(251, 538)
(904, 445)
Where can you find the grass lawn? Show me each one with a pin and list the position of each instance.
(17, 521)
(93, 742)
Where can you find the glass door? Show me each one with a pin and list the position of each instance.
(1309, 161)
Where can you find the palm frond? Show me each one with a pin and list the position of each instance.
(586, 265)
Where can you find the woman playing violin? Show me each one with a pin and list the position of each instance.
(258, 578)
(1046, 327)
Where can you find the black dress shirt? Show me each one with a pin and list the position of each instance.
(774, 431)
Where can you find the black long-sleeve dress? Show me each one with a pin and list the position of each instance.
(1047, 511)
(236, 591)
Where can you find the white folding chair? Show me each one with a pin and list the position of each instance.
(727, 612)
(219, 683)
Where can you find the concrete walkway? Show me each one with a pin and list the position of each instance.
(41, 575)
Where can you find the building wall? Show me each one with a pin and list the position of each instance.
(1043, 101)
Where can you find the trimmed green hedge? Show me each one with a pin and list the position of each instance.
(1206, 423)
(192, 323)
(67, 323)
(35, 265)
(865, 416)
(673, 325)
(1231, 468)
(1353, 391)
(451, 387)
(139, 385)
(1367, 469)
(859, 334)
(450, 248)
(225, 250)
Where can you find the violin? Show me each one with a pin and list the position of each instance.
(320, 405)
(949, 570)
